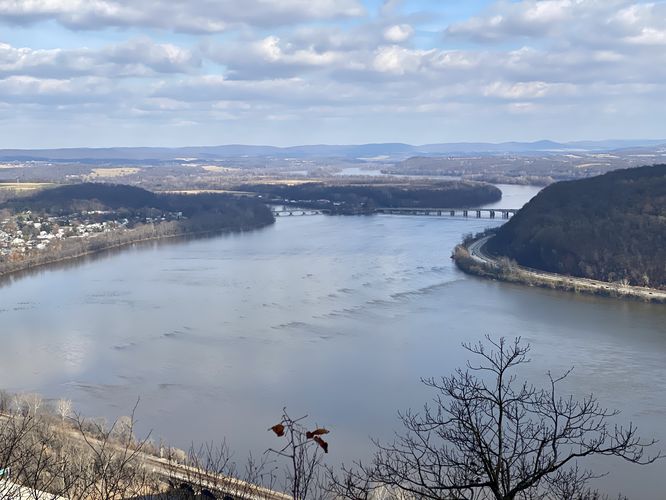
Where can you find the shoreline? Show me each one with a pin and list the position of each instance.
(30, 267)
(471, 259)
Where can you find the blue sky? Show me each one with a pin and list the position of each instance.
(77, 73)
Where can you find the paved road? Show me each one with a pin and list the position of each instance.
(212, 481)
(476, 251)
(165, 469)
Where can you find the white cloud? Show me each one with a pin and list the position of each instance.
(158, 57)
(536, 19)
(649, 36)
(525, 91)
(213, 88)
(50, 91)
(278, 63)
(398, 33)
(271, 57)
(399, 60)
(136, 57)
(642, 24)
(271, 51)
(197, 16)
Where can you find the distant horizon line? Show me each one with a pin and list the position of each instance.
(342, 144)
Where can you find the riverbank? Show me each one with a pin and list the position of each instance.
(102, 244)
(471, 258)
(223, 324)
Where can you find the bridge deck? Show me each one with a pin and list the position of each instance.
(299, 212)
(504, 213)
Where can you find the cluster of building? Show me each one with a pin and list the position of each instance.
(25, 232)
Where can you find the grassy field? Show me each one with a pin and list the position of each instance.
(10, 166)
(24, 186)
(106, 173)
(201, 191)
(218, 169)
(285, 182)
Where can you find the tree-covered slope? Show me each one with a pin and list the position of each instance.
(611, 227)
(101, 196)
(408, 194)
(69, 197)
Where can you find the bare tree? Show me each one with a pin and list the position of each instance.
(211, 467)
(44, 456)
(27, 403)
(304, 453)
(5, 401)
(115, 468)
(490, 436)
(14, 430)
(40, 467)
(64, 409)
(34, 456)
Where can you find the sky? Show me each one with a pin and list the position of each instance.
(100, 73)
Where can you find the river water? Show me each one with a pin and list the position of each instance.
(337, 317)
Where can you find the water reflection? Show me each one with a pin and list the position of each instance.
(337, 317)
(514, 196)
(8, 280)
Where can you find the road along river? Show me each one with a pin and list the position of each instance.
(337, 317)
(530, 275)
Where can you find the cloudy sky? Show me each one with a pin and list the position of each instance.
(283, 72)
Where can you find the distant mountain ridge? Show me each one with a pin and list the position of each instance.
(360, 151)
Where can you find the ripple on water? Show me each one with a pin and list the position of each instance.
(349, 358)
(290, 324)
(124, 346)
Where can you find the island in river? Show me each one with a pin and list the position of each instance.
(69, 221)
(353, 196)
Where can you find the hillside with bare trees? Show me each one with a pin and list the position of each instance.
(611, 228)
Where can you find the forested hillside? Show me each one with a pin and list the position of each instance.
(611, 227)
(120, 198)
(354, 194)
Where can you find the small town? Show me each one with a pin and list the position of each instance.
(26, 232)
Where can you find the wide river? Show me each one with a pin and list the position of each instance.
(337, 317)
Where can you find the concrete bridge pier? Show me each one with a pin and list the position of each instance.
(492, 214)
(465, 213)
(478, 214)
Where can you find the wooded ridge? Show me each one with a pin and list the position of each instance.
(611, 228)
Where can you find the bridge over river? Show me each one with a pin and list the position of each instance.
(478, 213)
(289, 212)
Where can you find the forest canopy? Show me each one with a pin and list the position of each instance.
(611, 227)
(404, 194)
(73, 198)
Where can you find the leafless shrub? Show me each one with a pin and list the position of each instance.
(489, 436)
(303, 451)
